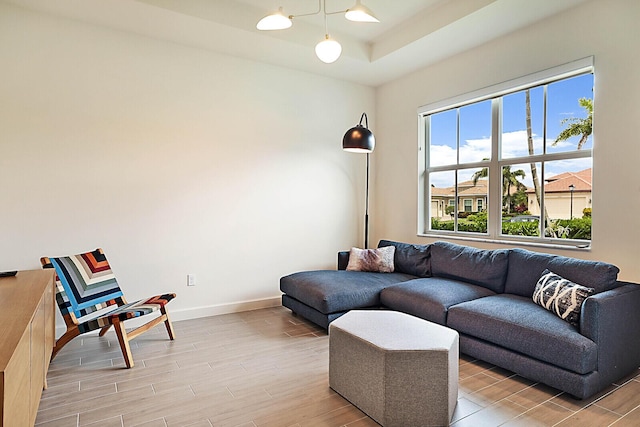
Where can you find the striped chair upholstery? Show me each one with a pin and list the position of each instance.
(89, 298)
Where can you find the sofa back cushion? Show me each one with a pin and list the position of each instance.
(526, 267)
(409, 258)
(482, 267)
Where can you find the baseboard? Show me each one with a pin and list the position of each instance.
(204, 311)
(216, 310)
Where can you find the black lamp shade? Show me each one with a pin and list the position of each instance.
(359, 139)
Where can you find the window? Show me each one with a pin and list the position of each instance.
(512, 162)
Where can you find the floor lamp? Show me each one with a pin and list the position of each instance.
(360, 139)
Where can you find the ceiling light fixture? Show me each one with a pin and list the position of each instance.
(275, 21)
(360, 13)
(328, 50)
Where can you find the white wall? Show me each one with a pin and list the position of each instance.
(175, 160)
(606, 29)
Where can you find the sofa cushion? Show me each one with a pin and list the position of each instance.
(486, 268)
(376, 260)
(526, 267)
(430, 298)
(410, 259)
(560, 296)
(520, 325)
(330, 291)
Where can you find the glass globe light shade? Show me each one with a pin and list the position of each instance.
(328, 50)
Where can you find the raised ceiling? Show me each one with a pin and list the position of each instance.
(412, 33)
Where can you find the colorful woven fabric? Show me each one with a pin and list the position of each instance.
(126, 311)
(85, 283)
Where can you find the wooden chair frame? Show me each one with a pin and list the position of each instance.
(72, 324)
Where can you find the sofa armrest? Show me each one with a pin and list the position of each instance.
(612, 320)
(343, 260)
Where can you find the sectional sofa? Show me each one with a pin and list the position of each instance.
(488, 297)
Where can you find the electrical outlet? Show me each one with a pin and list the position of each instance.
(191, 279)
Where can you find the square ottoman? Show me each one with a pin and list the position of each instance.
(398, 369)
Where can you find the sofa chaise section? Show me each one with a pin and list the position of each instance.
(324, 295)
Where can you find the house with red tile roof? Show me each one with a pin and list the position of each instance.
(472, 197)
(566, 195)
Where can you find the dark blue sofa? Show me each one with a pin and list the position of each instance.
(486, 295)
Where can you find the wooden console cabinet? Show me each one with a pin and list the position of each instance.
(27, 336)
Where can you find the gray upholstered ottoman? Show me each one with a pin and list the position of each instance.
(398, 369)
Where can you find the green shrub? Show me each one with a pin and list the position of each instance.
(473, 226)
(521, 228)
(436, 224)
(578, 228)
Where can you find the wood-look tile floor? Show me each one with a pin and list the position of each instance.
(269, 368)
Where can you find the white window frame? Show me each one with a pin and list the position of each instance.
(493, 205)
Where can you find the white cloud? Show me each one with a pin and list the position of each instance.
(514, 144)
(442, 155)
(475, 150)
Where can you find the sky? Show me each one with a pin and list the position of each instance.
(475, 130)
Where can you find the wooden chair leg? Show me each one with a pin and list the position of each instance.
(104, 330)
(123, 339)
(64, 340)
(167, 323)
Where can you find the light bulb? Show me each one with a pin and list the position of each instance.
(328, 50)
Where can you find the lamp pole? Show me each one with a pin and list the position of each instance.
(366, 209)
(571, 188)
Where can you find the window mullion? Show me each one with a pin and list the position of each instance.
(424, 195)
(456, 181)
(494, 202)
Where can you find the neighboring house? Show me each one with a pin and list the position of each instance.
(561, 202)
(471, 198)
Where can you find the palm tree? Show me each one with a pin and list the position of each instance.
(509, 180)
(534, 169)
(578, 127)
(482, 173)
